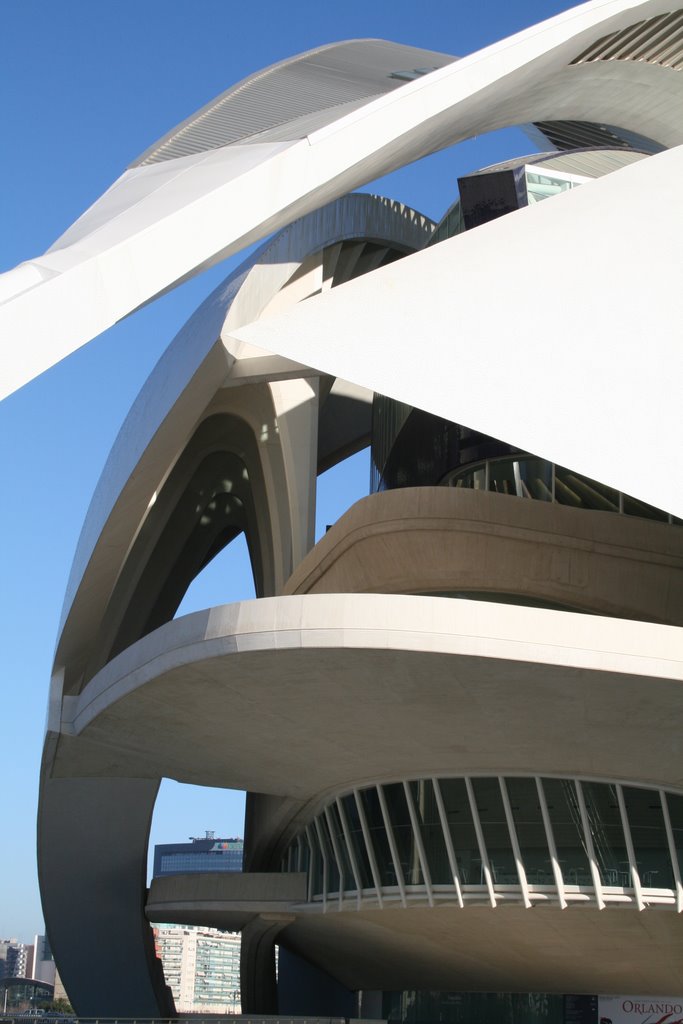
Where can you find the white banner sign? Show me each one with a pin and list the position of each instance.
(640, 1009)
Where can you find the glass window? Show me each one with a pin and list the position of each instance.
(495, 829)
(461, 827)
(403, 834)
(473, 479)
(648, 835)
(565, 819)
(579, 491)
(528, 819)
(604, 822)
(332, 869)
(540, 186)
(316, 860)
(335, 821)
(675, 805)
(357, 841)
(378, 837)
(634, 507)
(431, 832)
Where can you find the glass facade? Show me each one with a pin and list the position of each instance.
(199, 855)
(417, 1007)
(524, 837)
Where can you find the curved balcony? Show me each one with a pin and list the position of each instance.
(526, 476)
(460, 542)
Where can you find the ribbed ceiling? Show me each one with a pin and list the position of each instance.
(658, 40)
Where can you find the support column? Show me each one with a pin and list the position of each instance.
(92, 859)
(296, 408)
(257, 962)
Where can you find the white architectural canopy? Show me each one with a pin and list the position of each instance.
(310, 129)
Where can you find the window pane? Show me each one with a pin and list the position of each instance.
(648, 834)
(357, 842)
(403, 834)
(378, 836)
(579, 491)
(316, 861)
(332, 869)
(349, 881)
(565, 818)
(528, 819)
(430, 829)
(604, 821)
(496, 835)
(461, 827)
(675, 805)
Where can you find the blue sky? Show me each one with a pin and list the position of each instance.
(86, 86)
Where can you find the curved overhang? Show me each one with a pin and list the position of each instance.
(162, 222)
(446, 540)
(475, 948)
(250, 695)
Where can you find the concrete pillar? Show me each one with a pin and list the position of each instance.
(257, 963)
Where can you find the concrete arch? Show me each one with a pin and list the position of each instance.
(210, 411)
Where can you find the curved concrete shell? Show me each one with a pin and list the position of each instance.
(363, 713)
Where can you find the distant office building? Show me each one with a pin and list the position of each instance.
(43, 961)
(201, 967)
(207, 854)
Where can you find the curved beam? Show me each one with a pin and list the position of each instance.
(161, 223)
(200, 374)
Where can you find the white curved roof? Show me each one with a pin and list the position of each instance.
(294, 97)
(160, 223)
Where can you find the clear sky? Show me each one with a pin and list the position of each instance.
(86, 86)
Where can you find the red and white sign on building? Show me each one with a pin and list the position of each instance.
(640, 1009)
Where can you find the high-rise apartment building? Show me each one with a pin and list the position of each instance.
(16, 959)
(201, 967)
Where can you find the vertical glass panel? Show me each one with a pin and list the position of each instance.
(349, 881)
(648, 835)
(332, 869)
(378, 836)
(565, 818)
(430, 829)
(521, 478)
(634, 507)
(675, 805)
(316, 860)
(461, 827)
(604, 821)
(472, 479)
(403, 834)
(304, 855)
(579, 491)
(357, 842)
(496, 835)
(535, 478)
(528, 819)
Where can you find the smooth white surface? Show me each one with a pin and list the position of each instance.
(554, 328)
(185, 214)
